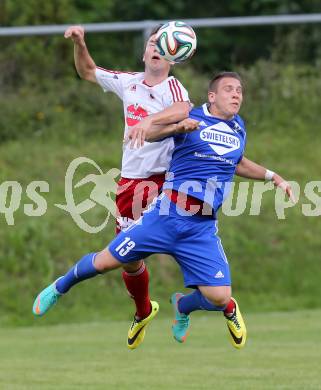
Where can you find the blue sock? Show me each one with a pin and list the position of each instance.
(82, 270)
(196, 301)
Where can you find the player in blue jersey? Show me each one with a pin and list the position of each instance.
(182, 221)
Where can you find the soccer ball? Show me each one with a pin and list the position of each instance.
(176, 41)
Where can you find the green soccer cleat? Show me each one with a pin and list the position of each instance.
(236, 327)
(45, 300)
(136, 332)
(181, 321)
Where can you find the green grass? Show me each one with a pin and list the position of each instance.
(283, 352)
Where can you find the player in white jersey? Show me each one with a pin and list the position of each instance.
(150, 98)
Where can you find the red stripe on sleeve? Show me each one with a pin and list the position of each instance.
(179, 90)
(115, 71)
(176, 91)
(107, 70)
(172, 90)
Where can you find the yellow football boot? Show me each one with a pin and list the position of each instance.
(236, 327)
(136, 332)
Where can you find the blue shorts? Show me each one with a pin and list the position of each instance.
(190, 239)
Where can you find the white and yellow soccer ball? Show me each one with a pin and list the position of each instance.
(176, 41)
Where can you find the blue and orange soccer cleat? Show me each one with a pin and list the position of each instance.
(45, 300)
(236, 327)
(181, 321)
(136, 332)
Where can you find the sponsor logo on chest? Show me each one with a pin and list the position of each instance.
(135, 113)
(221, 138)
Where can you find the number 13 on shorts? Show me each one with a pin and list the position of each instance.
(125, 246)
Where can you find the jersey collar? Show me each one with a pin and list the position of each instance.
(207, 113)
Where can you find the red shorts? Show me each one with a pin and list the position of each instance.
(133, 197)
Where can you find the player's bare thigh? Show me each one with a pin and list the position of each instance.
(104, 261)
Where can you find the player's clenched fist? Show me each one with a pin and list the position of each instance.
(187, 125)
(76, 33)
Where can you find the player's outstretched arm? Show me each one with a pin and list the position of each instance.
(85, 65)
(153, 125)
(251, 170)
(172, 114)
(158, 132)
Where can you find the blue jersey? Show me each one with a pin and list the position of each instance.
(203, 165)
(204, 161)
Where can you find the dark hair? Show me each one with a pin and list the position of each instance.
(215, 80)
(153, 31)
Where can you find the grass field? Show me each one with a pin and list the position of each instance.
(283, 352)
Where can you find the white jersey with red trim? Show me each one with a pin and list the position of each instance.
(140, 100)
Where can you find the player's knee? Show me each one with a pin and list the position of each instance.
(104, 261)
(219, 296)
(222, 300)
(133, 267)
(219, 299)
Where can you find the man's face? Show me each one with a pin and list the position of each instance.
(153, 60)
(227, 99)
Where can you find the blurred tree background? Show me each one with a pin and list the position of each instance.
(48, 117)
(25, 60)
